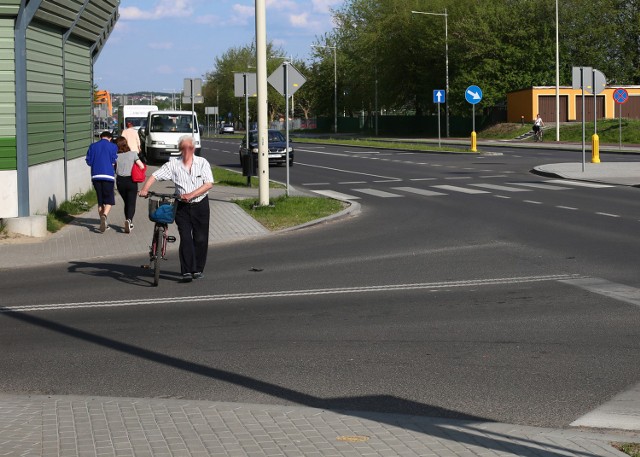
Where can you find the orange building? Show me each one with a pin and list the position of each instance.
(523, 105)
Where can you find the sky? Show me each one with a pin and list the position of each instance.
(157, 43)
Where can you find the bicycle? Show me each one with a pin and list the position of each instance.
(538, 135)
(162, 211)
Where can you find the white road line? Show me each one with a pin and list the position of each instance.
(609, 289)
(461, 189)
(347, 171)
(623, 411)
(497, 187)
(502, 196)
(493, 176)
(292, 293)
(423, 179)
(607, 214)
(458, 177)
(336, 195)
(579, 183)
(389, 180)
(352, 182)
(536, 185)
(567, 207)
(363, 152)
(415, 190)
(533, 202)
(377, 193)
(316, 184)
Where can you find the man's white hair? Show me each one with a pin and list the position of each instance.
(184, 138)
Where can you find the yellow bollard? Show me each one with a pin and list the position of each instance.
(595, 148)
(473, 142)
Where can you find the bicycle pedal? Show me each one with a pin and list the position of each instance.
(171, 239)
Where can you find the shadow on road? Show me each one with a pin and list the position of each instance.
(439, 425)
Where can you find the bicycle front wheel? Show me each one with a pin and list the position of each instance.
(158, 255)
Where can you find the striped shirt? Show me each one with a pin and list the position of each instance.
(186, 181)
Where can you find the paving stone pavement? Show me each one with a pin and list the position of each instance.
(68, 426)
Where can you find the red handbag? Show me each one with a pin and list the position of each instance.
(138, 174)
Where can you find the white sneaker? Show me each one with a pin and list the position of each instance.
(127, 226)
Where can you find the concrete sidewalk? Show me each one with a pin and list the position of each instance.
(81, 240)
(617, 173)
(64, 426)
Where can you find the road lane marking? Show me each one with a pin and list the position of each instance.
(571, 208)
(415, 190)
(461, 189)
(423, 179)
(623, 411)
(502, 196)
(316, 184)
(292, 293)
(533, 202)
(607, 214)
(536, 185)
(458, 177)
(377, 193)
(336, 195)
(352, 182)
(497, 187)
(579, 183)
(347, 171)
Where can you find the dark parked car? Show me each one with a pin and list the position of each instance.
(277, 147)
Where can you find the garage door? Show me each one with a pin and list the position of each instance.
(547, 108)
(631, 109)
(588, 108)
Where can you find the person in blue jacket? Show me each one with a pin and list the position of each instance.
(101, 157)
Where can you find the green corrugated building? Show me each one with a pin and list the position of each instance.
(47, 51)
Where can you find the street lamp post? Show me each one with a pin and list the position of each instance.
(558, 77)
(335, 85)
(446, 58)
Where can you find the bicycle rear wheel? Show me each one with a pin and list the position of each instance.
(159, 237)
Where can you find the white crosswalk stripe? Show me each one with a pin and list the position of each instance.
(502, 188)
(445, 189)
(415, 190)
(537, 185)
(336, 195)
(579, 183)
(463, 190)
(377, 193)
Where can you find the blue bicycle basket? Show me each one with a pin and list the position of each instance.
(165, 214)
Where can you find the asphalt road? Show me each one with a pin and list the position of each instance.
(433, 300)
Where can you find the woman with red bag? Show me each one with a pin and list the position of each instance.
(127, 187)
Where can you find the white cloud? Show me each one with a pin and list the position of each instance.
(282, 4)
(162, 9)
(324, 6)
(299, 20)
(242, 13)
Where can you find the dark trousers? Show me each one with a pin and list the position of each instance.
(128, 190)
(193, 225)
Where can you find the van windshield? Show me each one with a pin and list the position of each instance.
(180, 123)
(136, 121)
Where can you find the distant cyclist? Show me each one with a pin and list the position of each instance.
(537, 127)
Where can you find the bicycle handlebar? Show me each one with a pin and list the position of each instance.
(151, 193)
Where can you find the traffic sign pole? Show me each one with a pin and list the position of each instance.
(473, 95)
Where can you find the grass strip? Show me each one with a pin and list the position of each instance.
(224, 177)
(79, 203)
(632, 449)
(285, 212)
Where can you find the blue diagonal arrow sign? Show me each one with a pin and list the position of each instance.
(473, 94)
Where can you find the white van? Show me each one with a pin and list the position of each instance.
(163, 130)
(136, 114)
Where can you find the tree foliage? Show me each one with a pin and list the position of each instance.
(500, 45)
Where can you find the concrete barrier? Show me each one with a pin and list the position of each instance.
(35, 226)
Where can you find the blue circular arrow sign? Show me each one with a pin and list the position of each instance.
(473, 94)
